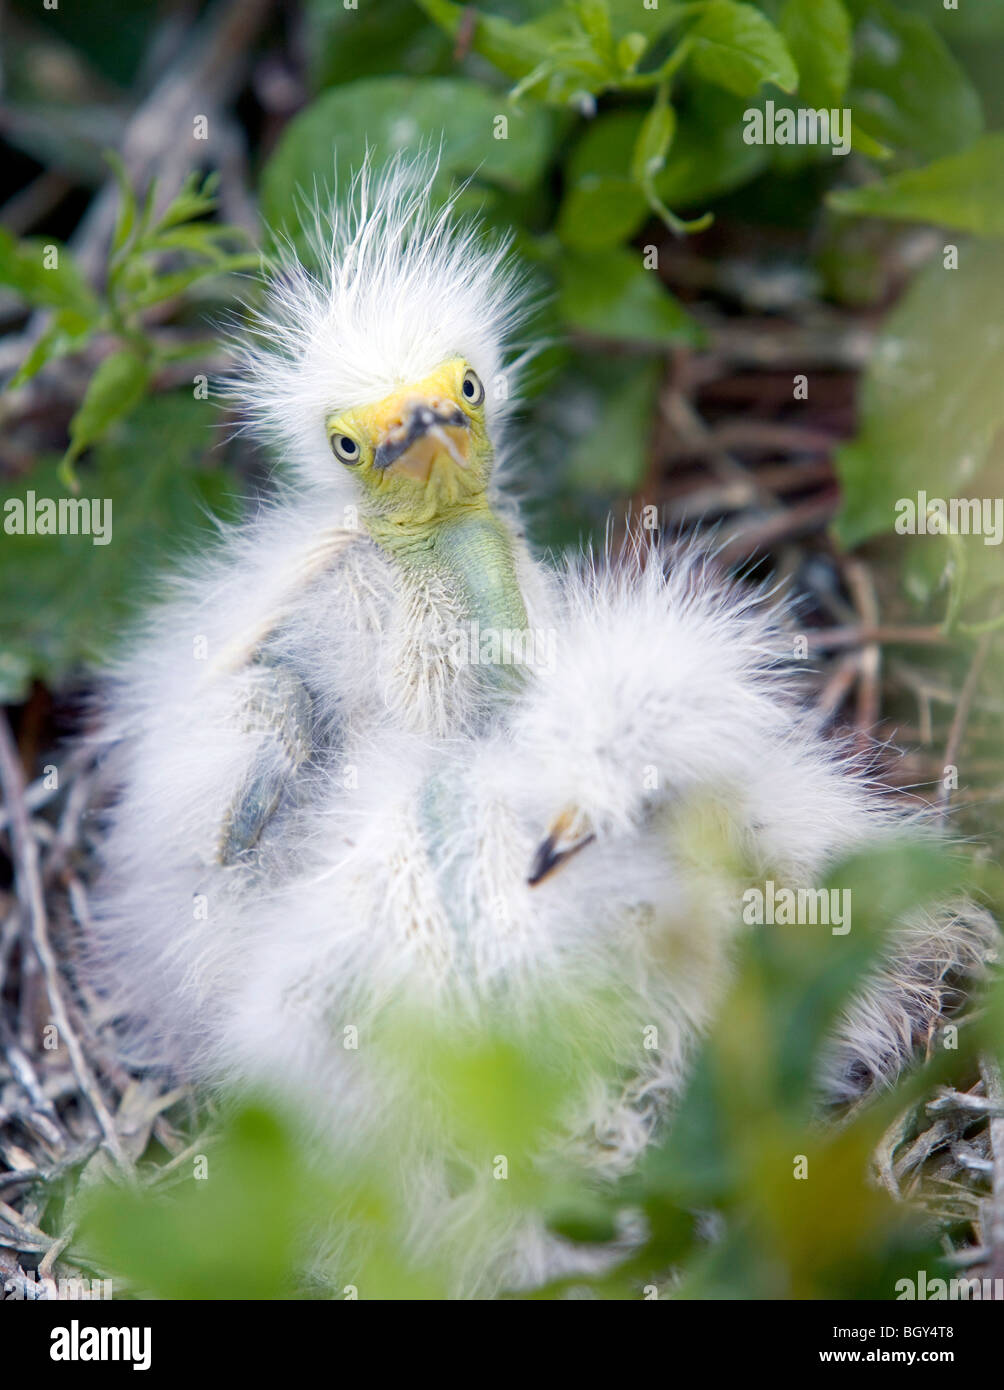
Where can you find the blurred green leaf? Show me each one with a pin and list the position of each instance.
(818, 34)
(963, 191)
(384, 115)
(602, 206)
(612, 457)
(736, 47)
(194, 199)
(653, 142)
(830, 1231)
(68, 332)
(45, 274)
(594, 16)
(552, 56)
(63, 599)
(906, 89)
(147, 289)
(648, 20)
(125, 219)
(649, 158)
(708, 156)
(119, 383)
(610, 294)
(931, 400)
(344, 44)
(232, 1234)
(601, 211)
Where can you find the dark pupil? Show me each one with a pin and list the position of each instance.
(469, 387)
(348, 445)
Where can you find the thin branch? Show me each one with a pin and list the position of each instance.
(29, 881)
(957, 732)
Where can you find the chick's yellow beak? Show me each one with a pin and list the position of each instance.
(415, 427)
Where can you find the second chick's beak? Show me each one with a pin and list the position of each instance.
(567, 834)
(423, 431)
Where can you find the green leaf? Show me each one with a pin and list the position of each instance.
(387, 114)
(342, 44)
(155, 288)
(195, 198)
(654, 139)
(818, 33)
(964, 191)
(931, 401)
(119, 383)
(630, 50)
(46, 275)
(612, 456)
(68, 332)
(600, 211)
(583, 47)
(632, 17)
(610, 294)
(552, 56)
(602, 206)
(708, 156)
(594, 16)
(126, 218)
(863, 143)
(736, 47)
(515, 49)
(64, 600)
(906, 88)
(649, 157)
(231, 1235)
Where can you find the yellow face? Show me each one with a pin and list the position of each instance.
(422, 449)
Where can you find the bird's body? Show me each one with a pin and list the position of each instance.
(331, 806)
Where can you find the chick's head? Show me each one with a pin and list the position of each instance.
(420, 452)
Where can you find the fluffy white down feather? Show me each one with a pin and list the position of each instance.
(665, 689)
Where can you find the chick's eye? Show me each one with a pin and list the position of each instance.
(345, 448)
(474, 392)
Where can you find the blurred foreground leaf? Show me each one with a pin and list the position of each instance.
(383, 115)
(736, 47)
(906, 89)
(818, 35)
(61, 596)
(963, 191)
(610, 294)
(931, 399)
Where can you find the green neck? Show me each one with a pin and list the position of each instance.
(471, 551)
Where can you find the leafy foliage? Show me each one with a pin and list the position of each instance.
(142, 273)
(65, 599)
(931, 411)
(799, 1217)
(962, 191)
